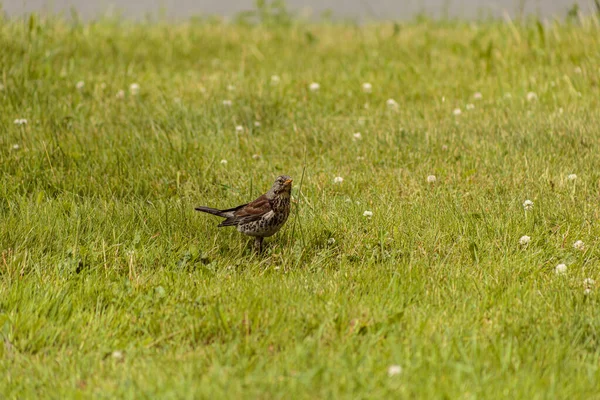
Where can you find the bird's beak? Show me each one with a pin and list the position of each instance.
(288, 182)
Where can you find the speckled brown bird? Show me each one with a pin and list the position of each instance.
(262, 217)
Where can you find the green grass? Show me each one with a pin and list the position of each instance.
(102, 251)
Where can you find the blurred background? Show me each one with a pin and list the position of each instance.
(353, 9)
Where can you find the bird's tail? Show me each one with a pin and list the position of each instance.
(212, 211)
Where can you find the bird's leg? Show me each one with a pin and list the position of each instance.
(258, 244)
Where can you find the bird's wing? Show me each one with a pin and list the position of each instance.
(248, 212)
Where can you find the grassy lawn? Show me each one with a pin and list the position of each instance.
(112, 286)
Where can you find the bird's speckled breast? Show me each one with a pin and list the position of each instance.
(271, 222)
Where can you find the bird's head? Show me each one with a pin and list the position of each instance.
(282, 185)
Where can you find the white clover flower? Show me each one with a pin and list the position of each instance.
(257, 124)
(587, 291)
(134, 88)
(20, 121)
(528, 205)
(224, 162)
(117, 355)
(524, 240)
(431, 179)
(394, 370)
(579, 245)
(572, 177)
(578, 70)
(589, 282)
(560, 269)
(478, 96)
(357, 136)
(16, 147)
(120, 94)
(531, 96)
(330, 241)
(367, 213)
(275, 79)
(230, 88)
(367, 87)
(391, 103)
(80, 85)
(338, 179)
(470, 106)
(256, 156)
(227, 103)
(457, 111)
(314, 87)
(239, 129)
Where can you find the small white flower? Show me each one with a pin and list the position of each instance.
(579, 245)
(239, 129)
(227, 103)
(367, 87)
(577, 70)
(391, 103)
(478, 96)
(528, 205)
(120, 94)
(360, 158)
(331, 241)
(572, 177)
(80, 85)
(560, 269)
(587, 291)
(257, 124)
(134, 88)
(368, 214)
(231, 88)
(457, 111)
(531, 96)
(224, 162)
(275, 79)
(338, 179)
(255, 156)
(589, 282)
(470, 106)
(117, 355)
(431, 179)
(524, 240)
(16, 147)
(314, 87)
(20, 121)
(357, 136)
(443, 99)
(394, 370)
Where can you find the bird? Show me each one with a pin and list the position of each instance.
(262, 217)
